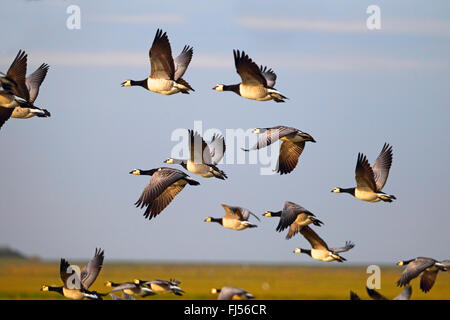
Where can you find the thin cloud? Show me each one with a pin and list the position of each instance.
(343, 62)
(139, 18)
(290, 24)
(398, 26)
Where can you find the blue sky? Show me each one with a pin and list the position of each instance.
(65, 182)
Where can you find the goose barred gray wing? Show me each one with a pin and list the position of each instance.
(159, 282)
(289, 215)
(270, 76)
(247, 213)
(92, 269)
(248, 70)
(161, 190)
(414, 269)
(182, 61)
(232, 212)
(217, 148)
(161, 61)
(198, 149)
(270, 135)
(17, 72)
(63, 272)
(382, 166)
(5, 114)
(348, 245)
(289, 154)
(313, 238)
(34, 81)
(114, 297)
(405, 294)
(238, 213)
(363, 174)
(428, 279)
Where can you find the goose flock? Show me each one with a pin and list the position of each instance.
(17, 100)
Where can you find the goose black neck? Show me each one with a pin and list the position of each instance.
(147, 172)
(308, 252)
(232, 87)
(142, 83)
(218, 220)
(56, 289)
(348, 190)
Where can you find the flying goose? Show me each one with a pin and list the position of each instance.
(164, 185)
(404, 295)
(166, 73)
(235, 218)
(33, 82)
(13, 83)
(203, 157)
(257, 82)
(370, 180)
(232, 293)
(428, 267)
(76, 286)
(162, 286)
(293, 216)
(130, 288)
(293, 143)
(19, 94)
(319, 249)
(375, 295)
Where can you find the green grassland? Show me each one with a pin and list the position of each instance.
(22, 279)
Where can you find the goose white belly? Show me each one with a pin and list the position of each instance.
(366, 194)
(132, 291)
(322, 255)
(163, 86)
(234, 224)
(73, 294)
(159, 288)
(201, 169)
(22, 113)
(258, 93)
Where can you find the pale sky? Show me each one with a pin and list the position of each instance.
(65, 182)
